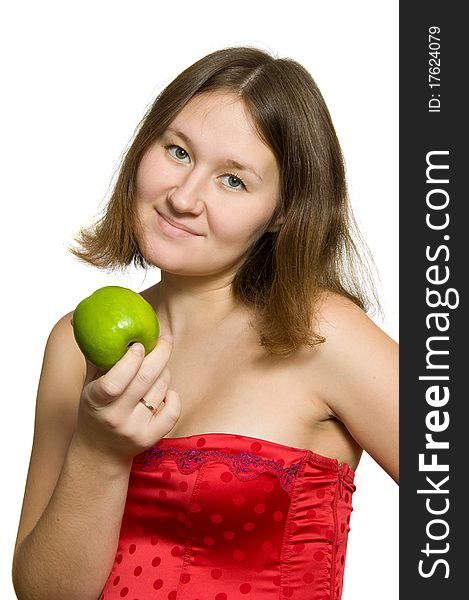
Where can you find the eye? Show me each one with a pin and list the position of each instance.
(234, 181)
(177, 152)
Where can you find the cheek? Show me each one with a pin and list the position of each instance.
(241, 225)
(150, 175)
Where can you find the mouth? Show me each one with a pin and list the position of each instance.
(174, 229)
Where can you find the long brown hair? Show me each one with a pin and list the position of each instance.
(316, 247)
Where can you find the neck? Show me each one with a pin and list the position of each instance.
(188, 306)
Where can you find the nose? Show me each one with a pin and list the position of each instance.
(188, 192)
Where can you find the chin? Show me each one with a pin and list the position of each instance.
(181, 261)
(185, 269)
(176, 265)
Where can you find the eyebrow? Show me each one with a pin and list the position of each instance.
(229, 162)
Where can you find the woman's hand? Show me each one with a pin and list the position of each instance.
(112, 420)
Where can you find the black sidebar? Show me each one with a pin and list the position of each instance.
(434, 240)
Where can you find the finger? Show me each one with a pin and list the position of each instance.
(114, 383)
(150, 370)
(165, 419)
(157, 393)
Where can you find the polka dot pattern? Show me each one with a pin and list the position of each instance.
(225, 516)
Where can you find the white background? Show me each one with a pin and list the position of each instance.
(76, 79)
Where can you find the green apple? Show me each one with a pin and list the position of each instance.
(106, 323)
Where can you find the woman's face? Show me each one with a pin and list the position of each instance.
(211, 174)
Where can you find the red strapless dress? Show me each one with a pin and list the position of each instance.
(221, 516)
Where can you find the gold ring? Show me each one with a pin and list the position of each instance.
(149, 406)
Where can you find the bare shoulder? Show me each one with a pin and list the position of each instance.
(59, 390)
(62, 332)
(352, 338)
(350, 334)
(62, 357)
(340, 320)
(358, 365)
(62, 378)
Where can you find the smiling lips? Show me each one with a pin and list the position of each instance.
(174, 229)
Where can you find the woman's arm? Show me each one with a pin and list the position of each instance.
(78, 476)
(361, 365)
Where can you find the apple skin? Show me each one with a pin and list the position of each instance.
(109, 320)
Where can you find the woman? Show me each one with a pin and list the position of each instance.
(220, 465)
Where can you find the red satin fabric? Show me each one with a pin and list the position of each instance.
(221, 516)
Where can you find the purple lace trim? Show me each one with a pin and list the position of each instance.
(244, 465)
